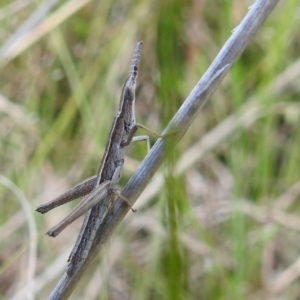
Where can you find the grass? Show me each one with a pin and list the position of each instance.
(225, 225)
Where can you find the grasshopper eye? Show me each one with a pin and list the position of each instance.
(129, 95)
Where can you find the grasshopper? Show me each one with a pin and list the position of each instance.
(100, 189)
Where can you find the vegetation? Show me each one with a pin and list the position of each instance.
(220, 221)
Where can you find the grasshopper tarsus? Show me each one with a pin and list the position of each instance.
(41, 209)
(51, 233)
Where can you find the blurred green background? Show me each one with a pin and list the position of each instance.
(221, 220)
